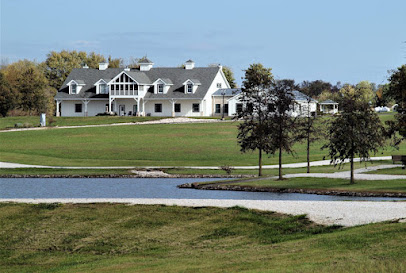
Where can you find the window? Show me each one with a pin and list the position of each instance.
(158, 107)
(239, 107)
(74, 88)
(226, 109)
(78, 108)
(177, 108)
(190, 88)
(112, 87)
(219, 85)
(160, 88)
(103, 89)
(218, 108)
(196, 107)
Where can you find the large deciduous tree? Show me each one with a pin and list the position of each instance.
(397, 91)
(60, 64)
(7, 98)
(357, 131)
(253, 131)
(27, 80)
(228, 73)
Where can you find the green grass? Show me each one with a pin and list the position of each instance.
(398, 171)
(398, 185)
(121, 238)
(210, 144)
(9, 122)
(273, 172)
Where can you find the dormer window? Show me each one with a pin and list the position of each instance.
(103, 89)
(160, 88)
(74, 87)
(190, 88)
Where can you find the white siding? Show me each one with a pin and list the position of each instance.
(208, 98)
(93, 108)
(185, 107)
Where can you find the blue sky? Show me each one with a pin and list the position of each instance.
(345, 41)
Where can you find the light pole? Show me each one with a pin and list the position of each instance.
(223, 93)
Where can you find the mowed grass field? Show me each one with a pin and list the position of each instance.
(122, 238)
(209, 144)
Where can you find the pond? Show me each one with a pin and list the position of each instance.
(142, 188)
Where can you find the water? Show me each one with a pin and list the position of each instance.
(141, 188)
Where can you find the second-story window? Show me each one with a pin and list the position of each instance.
(103, 89)
(160, 88)
(74, 88)
(219, 85)
(190, 88)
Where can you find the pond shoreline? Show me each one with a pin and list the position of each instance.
(214, 186)
(123, 176)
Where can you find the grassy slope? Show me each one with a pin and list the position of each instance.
(212, 144)
(9, 122)
(398, 171)
(398, 185)
(120, 238)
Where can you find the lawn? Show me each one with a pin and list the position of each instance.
(121, 238)
(397, 185)
(208, 144)
(70, 172)
(398, 171)
(33, 121)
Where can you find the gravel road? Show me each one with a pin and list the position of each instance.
(345, 213)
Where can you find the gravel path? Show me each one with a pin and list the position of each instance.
(344, 213)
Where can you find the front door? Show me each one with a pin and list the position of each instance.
(121, 110)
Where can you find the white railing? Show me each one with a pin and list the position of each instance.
(124, 92)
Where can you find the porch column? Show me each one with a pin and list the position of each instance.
(173, 107)
(143, 108)
(57, 108)
(138, 108)
(85, 102)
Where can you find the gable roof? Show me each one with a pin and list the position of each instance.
(173, 75)
(328, 102)
(299, 96)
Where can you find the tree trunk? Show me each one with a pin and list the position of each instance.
(308, 153)
(280, 162)
(352, 169)
(260, 163)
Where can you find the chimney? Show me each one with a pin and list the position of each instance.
(145, 64)
(189, 64)
(103, 66)
(126, 68)
(85, 66)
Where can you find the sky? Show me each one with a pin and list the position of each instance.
(347, 40)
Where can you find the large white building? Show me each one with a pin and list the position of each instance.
(148, 90)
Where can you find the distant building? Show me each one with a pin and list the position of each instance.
(328, 107)
(148, 90)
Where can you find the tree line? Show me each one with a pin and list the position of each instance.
(268, 127)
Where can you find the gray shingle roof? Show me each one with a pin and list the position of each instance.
(227, 91)
(299, 96)
(177, 76)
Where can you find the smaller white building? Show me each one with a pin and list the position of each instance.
(303, 106)
(329, 107)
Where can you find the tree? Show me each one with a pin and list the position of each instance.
(253, 131)
(397, 91)
(358, 131)
(26, 78)
(282, 126)
(315, 88)
(309, 130)
(7, 98)
(58, 65)
(116, 63)
(228, 73)
(94, 59)
(366, 90)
